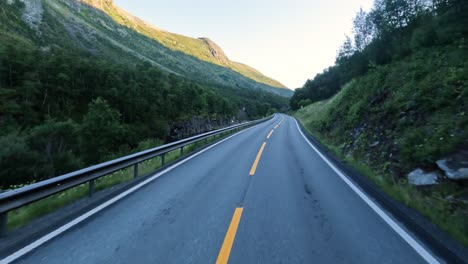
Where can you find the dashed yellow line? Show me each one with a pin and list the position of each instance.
(257, 159)
(269, 135)
(225, 251)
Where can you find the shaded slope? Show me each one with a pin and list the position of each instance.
(201, 48)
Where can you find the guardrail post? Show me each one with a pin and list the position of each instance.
(181, 151)
(135, 171)
(206, 141)
(163, 159)
(91, 188)
(3, 223)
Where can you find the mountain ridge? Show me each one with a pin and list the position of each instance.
(121, 37)
(202, 48)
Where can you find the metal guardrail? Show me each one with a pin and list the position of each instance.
(20, 197)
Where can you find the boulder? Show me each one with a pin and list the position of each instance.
(453, 170)
(419, 177)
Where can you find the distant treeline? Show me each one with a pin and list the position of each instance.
(392, 30)
(61, 111)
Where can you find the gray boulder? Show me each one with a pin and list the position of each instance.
(419, 177)
(453, 170)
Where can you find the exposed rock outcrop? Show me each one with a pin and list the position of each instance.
(455, 167)
(419, 177)
(33, 11)
(198, 125)
(216, 51)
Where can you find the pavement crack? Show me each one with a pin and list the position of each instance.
(244, 194)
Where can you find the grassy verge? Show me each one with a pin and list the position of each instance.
(430, 201)
(24, 215)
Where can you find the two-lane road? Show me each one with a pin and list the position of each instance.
(262, 196)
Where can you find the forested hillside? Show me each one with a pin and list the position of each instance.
(63, 107)
(101, 28)
(391, 32)
(395, 104)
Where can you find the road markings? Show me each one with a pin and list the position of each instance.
(225, 251)
(92, 212)
(281, 121)
(269, 135)
(403, 234)
(257, 159)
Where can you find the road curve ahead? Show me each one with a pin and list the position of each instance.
(262, 196)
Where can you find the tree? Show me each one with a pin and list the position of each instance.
(55, 142)
(363, 29)
(19, 163)
(101, 131)
(346, 50)
(389, 15)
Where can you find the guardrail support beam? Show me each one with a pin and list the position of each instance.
(91, 188)
(163, 159)
(135, 171)
(3, 224)
(181, 151)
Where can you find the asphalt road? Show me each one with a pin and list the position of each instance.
(238, 201)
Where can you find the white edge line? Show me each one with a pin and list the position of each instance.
(99, 208)
(413, 243)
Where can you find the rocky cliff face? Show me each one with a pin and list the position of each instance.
(198, 125)
(33, 12)
(216, 51)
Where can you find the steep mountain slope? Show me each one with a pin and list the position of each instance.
(98, 26)
(396, 108)
(406, 115)
(201, 48)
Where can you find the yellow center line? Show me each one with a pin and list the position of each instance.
(225, 251)
(269, 135)
(257, 159)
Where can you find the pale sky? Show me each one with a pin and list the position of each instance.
(288, 40)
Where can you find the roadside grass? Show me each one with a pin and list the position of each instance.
(24, 215)
(430, 201)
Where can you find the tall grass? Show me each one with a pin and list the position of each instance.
(430, 202)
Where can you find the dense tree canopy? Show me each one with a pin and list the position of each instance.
(60, 110)
(392, 30)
